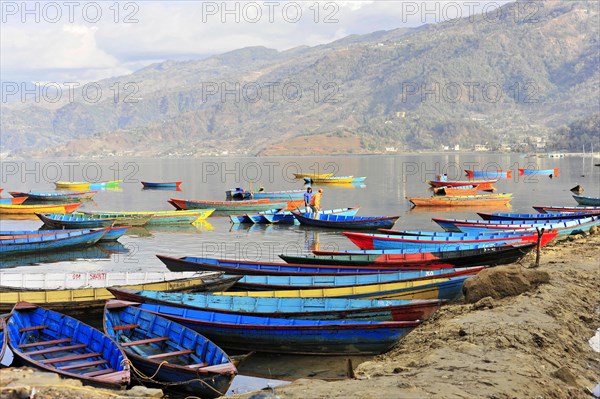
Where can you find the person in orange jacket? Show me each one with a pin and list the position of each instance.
(315, 203)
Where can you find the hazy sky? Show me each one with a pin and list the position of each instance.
(82, 41)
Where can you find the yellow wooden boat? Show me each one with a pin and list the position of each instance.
(73, 185)
(86, 298)
(440, 288)
(312, 175)
(32, 209)
(166, 217)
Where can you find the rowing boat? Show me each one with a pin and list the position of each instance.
(35, 243)
(82, 185)
(566, 209)
(118, 219)
(58, 221)
(175, 356)
(55, 196)
(334, 180)
(455, 191)
(31, 209)
(290, 308)
(335, 221)
(112, 234)
(285, 217)
(563, 228)
(12, 201)
(481, 184)
(272, 195)
(312, 175)
(547, 172)
(6, 355)
(171, 184)
(87, 298)
(590, 201)
(490, 256)
(60, 344)
(489, 174)
(476, 200)
(244, 206)
(538, 216)
(387, 241)
(293, 336)
(161, 217)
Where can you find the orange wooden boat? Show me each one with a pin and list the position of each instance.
(454, 191)
(31, 209)
(474, 200)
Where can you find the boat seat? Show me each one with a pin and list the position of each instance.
(125, 327)
(56, 349)
(170, 354)
(191, 366)
(89, 363)
(32, 328)
(98, 372)
(219, 368)
(144, 341)
(46, 343)
(70, 358)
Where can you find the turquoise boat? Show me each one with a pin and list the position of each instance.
(36, 242)
(290, 308)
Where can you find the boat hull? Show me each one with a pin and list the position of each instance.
(591, 201)
(347, 222)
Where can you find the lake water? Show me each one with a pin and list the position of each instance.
(390, 179)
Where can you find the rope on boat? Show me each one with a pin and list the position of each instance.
(151, 379)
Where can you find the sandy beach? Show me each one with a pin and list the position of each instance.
(531, 345)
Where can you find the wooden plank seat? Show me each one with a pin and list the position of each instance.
(70, 358)
(219, 368)
(191, 366)
(170, 354)
(89, 363)
(46, 343)
(145, 341)
(56, 349)
(98, 372)
(125, 327)
(32, 328)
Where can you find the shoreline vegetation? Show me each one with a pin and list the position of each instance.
(530, 345)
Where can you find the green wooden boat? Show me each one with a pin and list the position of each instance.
(121, 219)
(164, 217)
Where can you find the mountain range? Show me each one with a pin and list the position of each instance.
(462, 82)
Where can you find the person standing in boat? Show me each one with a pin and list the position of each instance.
(307, 197)
(315, 203)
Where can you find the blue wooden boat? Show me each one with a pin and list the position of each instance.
(547, 172)
(416, 251)
(170, 184)
(295, 336)
(11, 245)
(538, 216)
(285, 217)
(6, 355)
(57, 343)
(70, 221)
(425, 233)
(490, 256)
(387, 241)
(290, 308)
(563, 228)
(488, 174)
(112, 233)
(566, 209)
(175, 356)
(194, 264)
(278, 283)
(591, 201)
(347, 222)
(64, 196)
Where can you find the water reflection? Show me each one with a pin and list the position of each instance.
(95, 252)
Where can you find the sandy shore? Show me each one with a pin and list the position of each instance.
(533, 345)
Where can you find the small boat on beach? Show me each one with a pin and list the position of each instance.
(170, 184)
(489, 256)
(289, 336)
(60, 344)
(31, 209)
(590, 201)
(290, 308)
(175, 356)
(73, 196)
(86, 299)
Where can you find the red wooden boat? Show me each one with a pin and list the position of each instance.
(481, 184)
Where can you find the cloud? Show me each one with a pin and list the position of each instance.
(89, 44)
